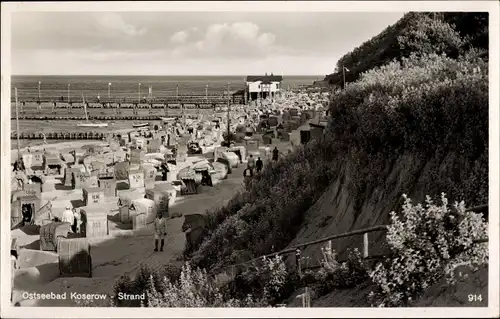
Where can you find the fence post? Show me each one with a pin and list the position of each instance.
(304, 299)
(365, 245)
(297, 261)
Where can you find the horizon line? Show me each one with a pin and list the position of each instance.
(311, 75)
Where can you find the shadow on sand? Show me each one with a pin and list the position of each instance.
(61, 187)
(77, 203)
(122, 185)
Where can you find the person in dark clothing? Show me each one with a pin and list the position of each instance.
(275, 154)
(258, 165)
(164, 172)
(16, 168)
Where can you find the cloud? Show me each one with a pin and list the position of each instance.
(54, 42)
(179, 37)
(114, 22)
(236, 39)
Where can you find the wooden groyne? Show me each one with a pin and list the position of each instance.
(62, 136)
(201, 101)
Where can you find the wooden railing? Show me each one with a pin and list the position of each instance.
(297, 248)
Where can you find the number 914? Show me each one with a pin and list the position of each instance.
(475, 298)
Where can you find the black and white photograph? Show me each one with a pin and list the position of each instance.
(250, 159)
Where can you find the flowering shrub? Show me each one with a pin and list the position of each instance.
(269, 281)
(188, 288)
(143, 280)
(194, 289)
(428, 243)
(348, 274)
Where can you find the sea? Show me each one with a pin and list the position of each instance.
(118, 87)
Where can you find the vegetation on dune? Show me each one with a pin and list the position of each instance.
(452, 33)
(427, 242)
(423, 95)
(429, 107)
(268, 214)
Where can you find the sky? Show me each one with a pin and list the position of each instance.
(188, 43)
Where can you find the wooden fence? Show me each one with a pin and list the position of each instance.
(297, 248)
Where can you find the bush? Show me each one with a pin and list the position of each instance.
(334, 275)
(268, 214)
(269, 282)
(430, 107)
(428, 243)
(143, 282)
(188, 288)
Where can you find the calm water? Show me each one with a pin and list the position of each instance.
(53, 87)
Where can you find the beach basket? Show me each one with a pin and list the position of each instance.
(285, 137)
(149, 176)
(16, 216)
(74, 257)
(226, 163)
(144, 206)
(121, 171)
(94, 221)
(136, 178)
(273, 121)
(221, 171)
(34, 189)
(107, 184)
(139, 221)
(267, 140)
(124, 202)
(50, 234)
(218, 151)
(232, 159)
(93, 196)
(305, 136)
(161, 198)
(190, 186)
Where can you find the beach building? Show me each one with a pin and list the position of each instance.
(259, 86)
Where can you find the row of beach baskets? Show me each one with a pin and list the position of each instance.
(71, 241)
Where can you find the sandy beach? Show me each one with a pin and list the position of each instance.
(120, 253)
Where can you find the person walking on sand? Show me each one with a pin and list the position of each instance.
(258, 165)
(160, 230)
(251, 164)
(275, 154)
(68, 216)
(77, 220)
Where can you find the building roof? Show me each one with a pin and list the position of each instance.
(268, 78)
